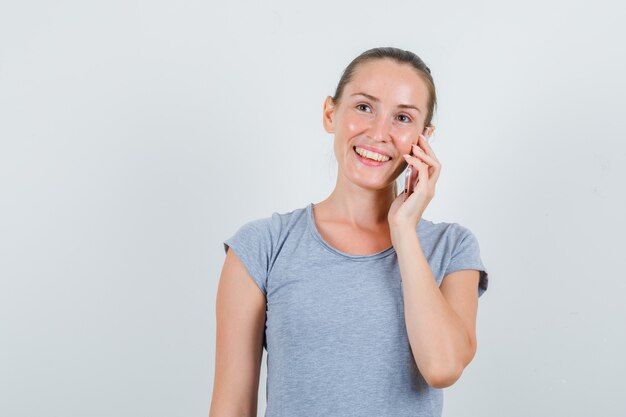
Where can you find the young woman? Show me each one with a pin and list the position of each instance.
(364, 307)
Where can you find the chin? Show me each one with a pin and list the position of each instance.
(372, 185)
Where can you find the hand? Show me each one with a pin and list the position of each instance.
(408, 213)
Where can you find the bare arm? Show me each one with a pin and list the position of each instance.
(240, 325)
(440, 323)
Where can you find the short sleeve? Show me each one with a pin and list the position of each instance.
(253, 245)
(466, 255)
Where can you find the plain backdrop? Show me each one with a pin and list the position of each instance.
(137, 135)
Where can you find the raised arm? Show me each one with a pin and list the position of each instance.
(440, 322)
(240, 325)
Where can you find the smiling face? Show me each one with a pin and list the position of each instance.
(383, 108)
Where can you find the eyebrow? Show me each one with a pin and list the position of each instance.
(371, 97)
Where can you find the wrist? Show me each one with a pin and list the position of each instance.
(401, 230)
(404, 223)
(402, 226)
(405, 241)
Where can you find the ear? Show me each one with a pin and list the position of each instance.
(328, 115)
(431, 130)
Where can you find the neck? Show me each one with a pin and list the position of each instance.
(357, 206)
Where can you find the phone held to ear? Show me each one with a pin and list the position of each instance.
(409, 185)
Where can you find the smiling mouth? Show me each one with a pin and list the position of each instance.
(370, 156)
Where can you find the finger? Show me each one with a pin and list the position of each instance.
(422, 174)
(423, 170)
(434, 165)
(416, 160)
(419, 152)
(411, 159)
(427, 148)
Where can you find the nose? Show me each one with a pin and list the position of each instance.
(379, 129)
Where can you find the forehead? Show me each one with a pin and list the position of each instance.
(390, 80)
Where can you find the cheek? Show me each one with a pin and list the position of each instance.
(403, 144)
(353, 124)
(352, 127)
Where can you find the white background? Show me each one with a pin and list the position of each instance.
(137, 135)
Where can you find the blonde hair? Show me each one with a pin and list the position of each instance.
(400, 56)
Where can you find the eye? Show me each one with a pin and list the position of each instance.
(408, 119)
(359, 106)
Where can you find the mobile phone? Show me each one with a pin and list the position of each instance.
(409, 185)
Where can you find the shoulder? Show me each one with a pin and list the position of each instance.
(257, 243)
(277, 222)
(452, 247)
(449, 241)
(439, 232)
(268, 230)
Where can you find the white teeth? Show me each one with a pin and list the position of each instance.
(372, 155)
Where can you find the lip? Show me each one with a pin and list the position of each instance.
(374, 149)
(369, 162)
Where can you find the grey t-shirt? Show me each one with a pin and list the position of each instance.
(335, 331)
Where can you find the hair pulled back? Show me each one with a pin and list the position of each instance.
(401, 57)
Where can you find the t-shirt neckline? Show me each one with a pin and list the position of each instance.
(316, 234)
